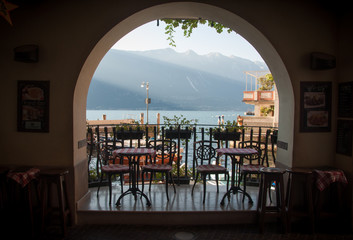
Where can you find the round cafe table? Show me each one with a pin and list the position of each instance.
(233, 153)
(133, 155)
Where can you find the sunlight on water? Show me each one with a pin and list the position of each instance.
(204, 117)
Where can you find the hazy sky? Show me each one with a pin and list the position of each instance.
(203, 40)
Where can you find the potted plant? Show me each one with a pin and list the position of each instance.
(228, 131)
(178, 133)
(175, 124)
(125, 131)
(267, 111)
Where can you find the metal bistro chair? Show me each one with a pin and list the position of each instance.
(162, 163)
(256, 161)
(110, 168)
(204, 156)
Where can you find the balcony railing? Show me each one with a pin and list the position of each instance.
(258, 96)
(103, 138)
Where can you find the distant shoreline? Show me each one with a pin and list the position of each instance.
(204, 117)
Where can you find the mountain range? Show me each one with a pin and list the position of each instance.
(177, 81)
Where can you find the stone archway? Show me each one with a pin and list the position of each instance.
(187, 10)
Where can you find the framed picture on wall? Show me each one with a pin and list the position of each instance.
(345, 99)
(315, 106)
(33, 106)
(344, 137)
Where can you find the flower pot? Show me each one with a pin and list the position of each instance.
(129, 134)
(182, 134)
(235, 136)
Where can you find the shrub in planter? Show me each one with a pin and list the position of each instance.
(178, 133)
(218, 135)
(125, 131)
(228, 131)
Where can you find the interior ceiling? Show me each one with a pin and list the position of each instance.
(337, 7)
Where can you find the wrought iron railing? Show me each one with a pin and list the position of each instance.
(103, 139)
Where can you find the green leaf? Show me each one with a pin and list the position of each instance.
(188, 25)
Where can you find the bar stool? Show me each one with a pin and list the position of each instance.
(22, 187)
(57, 177)
(303, 176)
(329, 201)
(268, 176)
(3, 189)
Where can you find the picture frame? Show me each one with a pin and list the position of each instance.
(33, 106)
(345, 99)
(315, 106)
(344, 137)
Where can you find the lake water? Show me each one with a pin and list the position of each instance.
(204, 117)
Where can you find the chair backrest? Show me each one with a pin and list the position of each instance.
(106, 151)
(165, 151)
(260, 147)
(253, 157)
(204, 152)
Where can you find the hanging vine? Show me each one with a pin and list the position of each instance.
(188, 25)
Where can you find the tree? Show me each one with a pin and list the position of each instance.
(188, 25)
(266, 83)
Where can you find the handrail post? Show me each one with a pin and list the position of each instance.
(186, 154)
(98, 152)
(90, 136)
(193, 158)
(178, 157)
(114, 137)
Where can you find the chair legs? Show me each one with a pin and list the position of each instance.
(143, 181)
(171, 177)
(197, 177)
(204, 180)
(167, 174)
(244, 177)
(203, 176)
(99, 186)
(204, 187)
(110, 188)
(109, 177)
(217, 183)
(122, 183)
(166, 185)
(149, 189)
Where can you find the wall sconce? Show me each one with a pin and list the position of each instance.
(322, 61)
(26, 53)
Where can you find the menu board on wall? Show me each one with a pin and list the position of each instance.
(315, 106)
(344, 137)
(33, 106)
(345, 99)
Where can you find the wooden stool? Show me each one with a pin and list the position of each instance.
(3, 189)
(268, 176)
(330, 210)
(57, 177)
(306, 176)
(22, 185)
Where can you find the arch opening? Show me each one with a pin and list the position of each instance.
(190, 10)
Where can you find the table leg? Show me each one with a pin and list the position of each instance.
(235, 189)
(133, 189)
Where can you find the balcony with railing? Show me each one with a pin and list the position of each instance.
(253, 97)
(99, 137)
(102, 139)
